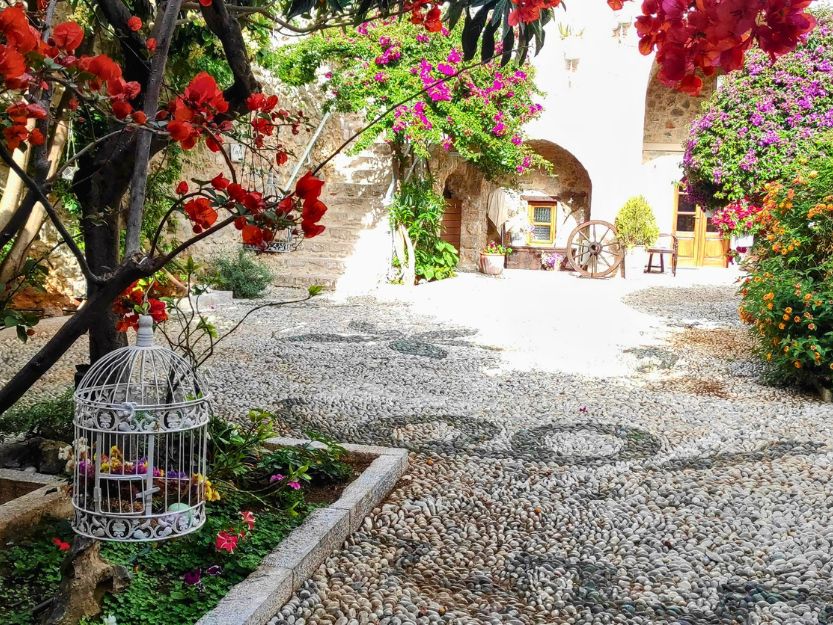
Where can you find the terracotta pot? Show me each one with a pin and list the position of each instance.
(492, 264)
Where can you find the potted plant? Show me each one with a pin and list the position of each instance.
(552, 262)
(636, 229)
(739, 223)
(493, 257)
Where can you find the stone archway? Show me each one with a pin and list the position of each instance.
(668, 116)
(568, 181)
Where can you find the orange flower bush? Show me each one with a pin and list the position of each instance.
(788, 295)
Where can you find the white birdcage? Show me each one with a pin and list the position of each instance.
(141, 434)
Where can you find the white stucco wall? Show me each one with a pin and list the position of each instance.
(597, 111)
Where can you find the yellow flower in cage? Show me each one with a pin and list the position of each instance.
(211, 493)
(797, 365)
(781, 326)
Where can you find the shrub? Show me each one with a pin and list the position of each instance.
(788, 295)
(760, 120)
(241, 275)
(420, 209)
(50, 418)
(635, 223)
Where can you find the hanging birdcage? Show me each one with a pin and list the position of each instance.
(141, 434)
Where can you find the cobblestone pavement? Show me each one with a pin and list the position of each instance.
(676, 489)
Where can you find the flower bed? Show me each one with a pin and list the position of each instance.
(260, 498)
(173, 582)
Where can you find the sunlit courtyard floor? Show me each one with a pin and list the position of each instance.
(583, 452)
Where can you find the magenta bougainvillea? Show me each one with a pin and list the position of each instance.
(760, 120)
(479, 113)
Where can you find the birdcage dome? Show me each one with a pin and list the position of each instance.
(141, 418)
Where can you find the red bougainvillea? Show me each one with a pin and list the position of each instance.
(134, 301)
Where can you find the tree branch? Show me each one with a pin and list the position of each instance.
(227, 29)
(164, 29)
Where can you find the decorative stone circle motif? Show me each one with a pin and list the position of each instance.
(441, 434)
(633, 443)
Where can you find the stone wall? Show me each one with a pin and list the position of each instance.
(668, 115)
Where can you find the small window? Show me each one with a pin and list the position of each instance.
(543, 218)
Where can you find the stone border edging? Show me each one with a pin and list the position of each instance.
(49, 499)
(260, 596)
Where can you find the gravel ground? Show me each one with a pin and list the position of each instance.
(681, 491)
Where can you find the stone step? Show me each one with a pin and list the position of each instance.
(309, 263)
(326, 280)
(334, 190)
(329, 245)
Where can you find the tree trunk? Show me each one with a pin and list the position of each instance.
(13, 262)
(100, 184)
(14, 184)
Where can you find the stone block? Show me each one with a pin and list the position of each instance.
(371, 487)
(255, 600)
(306, 548)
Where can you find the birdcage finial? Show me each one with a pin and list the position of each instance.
(144, 336)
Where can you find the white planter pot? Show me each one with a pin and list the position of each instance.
(636, 259)
(744, 241)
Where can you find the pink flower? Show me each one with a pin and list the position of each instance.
(276, 478)
(498, 129)
(454, 56)
(445, 68)
(421, 38)
(447, 144)
(248, 518)
(294, 485)
(380, 77)
(516, 140)
(226, 541)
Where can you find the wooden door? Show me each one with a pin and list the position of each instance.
(700, 244)
(451, 222)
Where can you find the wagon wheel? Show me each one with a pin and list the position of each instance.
(593, 249)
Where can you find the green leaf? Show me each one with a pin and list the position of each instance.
(315, 289)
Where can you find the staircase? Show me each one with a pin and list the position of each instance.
(355, 220)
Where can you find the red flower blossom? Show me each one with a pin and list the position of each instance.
(68, 36)
(12, 63)
(139, 117)
(36, 137)
(226, 541)
(134, 23)
(206, 3)
(308, 187)
(220, 182)
(281, 157)
(60, 544)
(248, 519)
(182, 187)
(14, 26)
(151, 44)
(311, 229)
(313, 210)
(252, 235)
(201, 213)
(121, 109)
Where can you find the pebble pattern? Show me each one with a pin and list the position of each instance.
(683, 493)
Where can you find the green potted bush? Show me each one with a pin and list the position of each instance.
(636, 229)
(493, 258)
